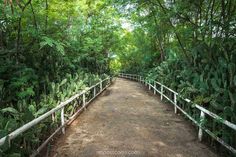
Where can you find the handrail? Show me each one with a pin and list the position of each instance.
(61, 107)
(177, 107)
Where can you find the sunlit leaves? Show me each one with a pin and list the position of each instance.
(9, 110)
(44, 50)
(56, 45)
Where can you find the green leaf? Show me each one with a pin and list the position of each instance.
(27, 93)
(40, 112)
(46, 41)
(3, 133)
(217, 106)
(60, 48)
(32, 108)
(63, 82)
(214, 85)
(10, 110)
(232, 97)
(15, 155)
(228, 111)
(11, 125)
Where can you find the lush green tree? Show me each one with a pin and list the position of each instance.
(189, 46)
(47, 47)
(49, 50)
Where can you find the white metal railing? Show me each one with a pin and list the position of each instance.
(153, 84)
(61, 107)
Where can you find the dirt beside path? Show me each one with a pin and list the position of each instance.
(126, 120)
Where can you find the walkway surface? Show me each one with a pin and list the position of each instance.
(126, 120)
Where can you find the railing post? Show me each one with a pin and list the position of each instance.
(161, 92)
(108, 81)
(84, 101)
(94, 91)
(62, 120)
(149, 87)
(155, 86)
(200, 131)
(175, 101)
(101, 86)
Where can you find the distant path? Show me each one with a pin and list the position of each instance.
(126, 120)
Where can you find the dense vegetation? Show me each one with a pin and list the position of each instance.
(189, 46)
(50, 50)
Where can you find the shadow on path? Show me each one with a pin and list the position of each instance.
(128, 121)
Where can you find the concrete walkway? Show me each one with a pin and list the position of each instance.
(126, 120)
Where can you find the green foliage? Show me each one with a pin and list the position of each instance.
(115, 66)
(58, 46)
(190, 47)
(12, 118)
(49, 51)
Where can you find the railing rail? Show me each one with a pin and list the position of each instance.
(60, 107)
(153, 84)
